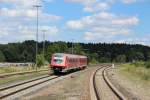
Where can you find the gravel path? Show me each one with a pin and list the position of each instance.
(75, 87)
(132, 89)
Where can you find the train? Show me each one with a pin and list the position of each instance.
(62, 62)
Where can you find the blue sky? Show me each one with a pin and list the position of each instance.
(81, 20)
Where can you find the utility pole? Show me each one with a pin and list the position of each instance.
(44, 31)
(37, 6)
(72, 47)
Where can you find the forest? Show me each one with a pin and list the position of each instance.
(96, 52)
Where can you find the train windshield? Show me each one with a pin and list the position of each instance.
(58, 61)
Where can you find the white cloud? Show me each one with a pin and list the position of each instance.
(92, 5)
(89, 36)
(104, 24)
(27, 13)
(102, 6)
(17, 13)
(129, 1)
(102, 18)
(84, 2)
(110, 31)
(98, 33)
(25, 8)
(24, 3)
(18, 20)
(126, 21)
(50, 29)
(90, 21)
(88, 9)
(74, 24)
(22, 32)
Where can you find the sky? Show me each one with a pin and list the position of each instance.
(110, 21)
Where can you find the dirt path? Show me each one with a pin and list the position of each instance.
(75, 87)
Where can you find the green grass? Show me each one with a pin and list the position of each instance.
(134, 72)
(18, 69)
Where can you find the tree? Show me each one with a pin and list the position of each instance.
(2, 57)
(58, 47)
(148, 56)
(120, 58)
(25, 51)
(105, 60)
(40, 60)
(93, 57)
(135, 56)
(78, 49)
(94, 61)
(10, 55)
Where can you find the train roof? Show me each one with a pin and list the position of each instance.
(71, 55)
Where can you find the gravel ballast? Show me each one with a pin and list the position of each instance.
(75, 87)
(132, 89)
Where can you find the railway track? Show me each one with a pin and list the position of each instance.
(103, 88)
(20, 73)
(16, 88)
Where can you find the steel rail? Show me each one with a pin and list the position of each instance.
(21, 83)
(114, 90)
(27, 87)
(20, 73)
(94, 83)
(111, 86)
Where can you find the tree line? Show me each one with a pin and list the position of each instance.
(96, 52)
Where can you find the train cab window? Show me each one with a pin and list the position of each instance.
(58, 61)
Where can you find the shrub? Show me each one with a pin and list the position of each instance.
(138, 64)
(147, 64)
(40, 60)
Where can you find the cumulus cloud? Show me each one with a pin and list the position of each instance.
(101, 6)
(126, 21)
(98, 33)
(92, 5)
(22, 32)
(24, 3)
(104, 24)
(88, 9)
(28, 13)
(19, 19)
(103, 18)
(50, 29)
(74, 24)
(129, 1)
(85, 2)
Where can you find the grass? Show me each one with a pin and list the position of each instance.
(136, 71)
(18, 69)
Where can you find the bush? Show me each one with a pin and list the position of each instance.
(120, 58)
(138, 64)
(40, 60)
(94, 61)
(147, 64)
(137, 72)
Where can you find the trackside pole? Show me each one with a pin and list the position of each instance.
(113, 66)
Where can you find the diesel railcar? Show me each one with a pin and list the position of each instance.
(62, 62)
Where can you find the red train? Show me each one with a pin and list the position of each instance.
(62, 62)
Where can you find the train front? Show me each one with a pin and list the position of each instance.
(58, 62)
